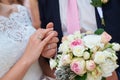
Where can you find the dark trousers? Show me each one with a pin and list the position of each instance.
(118, 72)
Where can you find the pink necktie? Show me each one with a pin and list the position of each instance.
(72, 17)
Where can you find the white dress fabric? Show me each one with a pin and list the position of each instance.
(15, 31)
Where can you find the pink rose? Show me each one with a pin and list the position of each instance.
(90, 65)
(78, 66)
(78, 42)
(106, 37)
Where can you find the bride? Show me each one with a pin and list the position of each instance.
(20, 44)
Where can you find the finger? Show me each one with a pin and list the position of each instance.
(50, 46)
(50, 53)
(50, 25)
(46, 40)
(54, 40)
(55, 33)
(42, 32)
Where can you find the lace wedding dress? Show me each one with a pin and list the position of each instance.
(15, 31)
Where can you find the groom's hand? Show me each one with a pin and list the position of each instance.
(51, 48)
(48, 52)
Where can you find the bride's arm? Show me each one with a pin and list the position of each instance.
(18, 70)
(32, 6)
(31, 54)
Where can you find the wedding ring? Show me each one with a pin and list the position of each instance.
(40, 37)
(49, 46)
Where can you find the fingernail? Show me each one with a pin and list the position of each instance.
(51, 28)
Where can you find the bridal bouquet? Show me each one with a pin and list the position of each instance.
(85, 56)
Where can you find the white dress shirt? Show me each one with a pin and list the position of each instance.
(86, 15)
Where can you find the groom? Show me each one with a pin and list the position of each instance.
(56, 11)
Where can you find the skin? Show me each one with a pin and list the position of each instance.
(50, 52)
(35, 48)
(31, 55)
(46, 52)
(33, 11)
(32, 6)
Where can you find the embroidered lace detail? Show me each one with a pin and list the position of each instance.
(16, 25)
(15, 31)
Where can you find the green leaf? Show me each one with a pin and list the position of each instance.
(99, 31)
(103, 78)
(81, 77)
(96, 3)
(78, 77)
(108, 45)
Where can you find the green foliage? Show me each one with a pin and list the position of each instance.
(103, 78)
(96, 3)
(99, 31)
(108, 46)
(81, 77)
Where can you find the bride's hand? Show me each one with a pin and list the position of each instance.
(32, 52)
(36, 44)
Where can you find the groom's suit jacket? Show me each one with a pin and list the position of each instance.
(49, 12)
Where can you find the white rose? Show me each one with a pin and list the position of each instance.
(92, 77)
(110, 50)
(99, 57)
(77, 35)
(106, 61)
(92, 41)
(116, 46)
(66, 59)
(70, 37)
(110, 54)
(108, 67)
(98, 47)
(64, 47)
(114, 57)
(78, 51)
(86, 55)
(53, 63)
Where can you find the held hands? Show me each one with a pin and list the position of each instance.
(51, 47)
(36, 44)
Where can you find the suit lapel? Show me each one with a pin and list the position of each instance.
(53, 15)
(57, 20)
